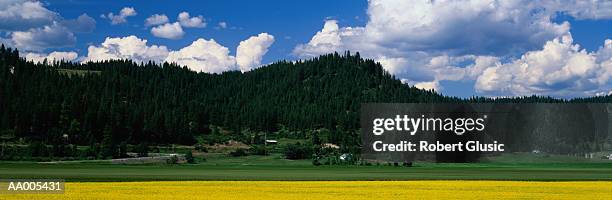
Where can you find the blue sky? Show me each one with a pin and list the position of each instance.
(459, 48)
(292, 22)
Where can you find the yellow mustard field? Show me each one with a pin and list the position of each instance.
(339, 190)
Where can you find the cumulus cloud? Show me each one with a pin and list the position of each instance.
(20, 15)
(250, 51)
(211, 57)
(425, 70)
(122, 16)
(431, 85)
(466, 27)
(325, 41)
(156, 19)
(51, 57)
(130, 47)
(461, 27)
(560, 68)
(425, 85)
(328, 40)
(204, 56)
(191, 22)
(32, 27)
(396, 65)
(605, 52)
(172, 31)
(83, 24)
(49, 36)
(223, 25)
(430, 41)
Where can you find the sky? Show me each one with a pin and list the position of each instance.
(459, 48)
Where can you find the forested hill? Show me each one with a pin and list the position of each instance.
(124, 102)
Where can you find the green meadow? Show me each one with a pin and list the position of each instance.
(274, 167)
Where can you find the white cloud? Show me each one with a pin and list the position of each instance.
(393, 65)
(204, 56)
(328, 40)
(425, 85)
(250, 51)
(130, 47)
(122, 16)
(560, 68)
(49, 36)
(466, 27)
(431, 85)
(223, 25)
(156, 19)
(430, 41)
(32, 27)
(51, 57)
(191, 22)
(461, 27)
(20, 15)
(172, 31)
(429, 69)
(325, 41)
(480, 64)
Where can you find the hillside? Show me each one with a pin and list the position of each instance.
(119, 102)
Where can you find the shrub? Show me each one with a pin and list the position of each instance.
(123, 149)
(200, 147)
(172, 160)
(189, 157)
(259, 150)
(88, 153)
(238, 153)
(316, 161)
(298, 151)
(37, 149)
(142, 149)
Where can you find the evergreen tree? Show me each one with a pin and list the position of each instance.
(108, 105)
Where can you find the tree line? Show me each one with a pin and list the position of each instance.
(108, 105)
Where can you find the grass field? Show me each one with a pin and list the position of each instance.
(276, 168)
(515, 176)
(353, 190)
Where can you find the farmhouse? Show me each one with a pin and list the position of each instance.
(271, 142)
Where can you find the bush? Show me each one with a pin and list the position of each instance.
(259, 150)
(298, 151)
(88, 153)
(201, 148)
(189, 157)
(142, 149)
(215, 137)
(123, 149)
(172, 160)
(38, 149)
(238, 153)
(316, 161)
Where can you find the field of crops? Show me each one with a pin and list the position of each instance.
(352, 190)
(271, 177)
